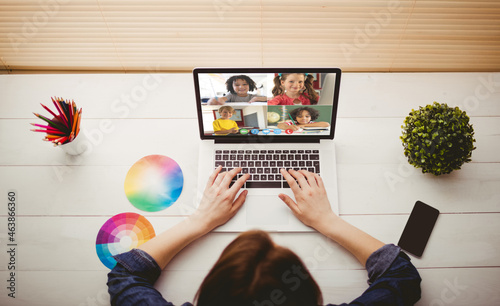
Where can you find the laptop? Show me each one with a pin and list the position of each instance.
(264, 119)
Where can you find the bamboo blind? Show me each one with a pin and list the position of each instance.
(155, 35)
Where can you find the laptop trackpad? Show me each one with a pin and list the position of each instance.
(266, 210)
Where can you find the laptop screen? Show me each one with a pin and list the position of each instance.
(257, 104)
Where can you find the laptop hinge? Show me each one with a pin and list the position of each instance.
(267, 140)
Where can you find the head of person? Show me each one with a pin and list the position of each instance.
(304, 115)
(240, 85)
(295, 83)
(252, 270)
(226, 112)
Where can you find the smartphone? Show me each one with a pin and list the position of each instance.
(418, 228)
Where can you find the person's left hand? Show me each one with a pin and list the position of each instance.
(311, 205)
(218, 204)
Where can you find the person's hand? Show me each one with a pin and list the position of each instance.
(311, 205)
(294, 127)
(218, 204)
(217, 101)
(258, 99)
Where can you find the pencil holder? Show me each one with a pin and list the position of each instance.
(64, 127)
(78, 146)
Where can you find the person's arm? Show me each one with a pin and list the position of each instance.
(316, 124)
(313, 209)
(218, 205)
(131, 281)
(258, 99)
(285, 126)
(217, 101)
(393, 279)
(275, 101)
(225, 132)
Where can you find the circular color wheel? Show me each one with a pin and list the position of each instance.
(121, 233)
(154, 183)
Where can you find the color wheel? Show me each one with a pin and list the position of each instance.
(120, 234)
(154, 183)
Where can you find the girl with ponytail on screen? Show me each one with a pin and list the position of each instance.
(293, 89)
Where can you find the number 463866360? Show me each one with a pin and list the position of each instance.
(11, 219)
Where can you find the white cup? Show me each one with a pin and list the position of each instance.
(77, 146)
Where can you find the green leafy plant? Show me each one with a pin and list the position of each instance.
(438, 138)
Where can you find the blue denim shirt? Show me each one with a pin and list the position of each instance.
(392, 278)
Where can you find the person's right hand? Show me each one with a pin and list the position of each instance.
(311, 205)
(220, 201)
(217, 101)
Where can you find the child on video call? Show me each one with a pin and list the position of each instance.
(302, 117)
(238, 87)
(224, 125)
(293, 89)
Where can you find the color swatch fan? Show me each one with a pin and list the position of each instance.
(121, 233)
(154, 183)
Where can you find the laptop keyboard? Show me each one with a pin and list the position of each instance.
(264, 165)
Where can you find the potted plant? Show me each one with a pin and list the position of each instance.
(438, 138)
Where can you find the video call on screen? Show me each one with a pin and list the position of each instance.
(241, 104)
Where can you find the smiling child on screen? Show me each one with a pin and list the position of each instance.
(224, 125)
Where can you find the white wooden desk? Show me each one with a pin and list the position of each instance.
(63, 201)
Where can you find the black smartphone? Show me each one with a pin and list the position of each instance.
(418, 228)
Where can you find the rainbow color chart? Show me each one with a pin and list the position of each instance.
(121, 233)
(154, 183)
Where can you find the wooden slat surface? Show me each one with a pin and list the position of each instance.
(64, 201)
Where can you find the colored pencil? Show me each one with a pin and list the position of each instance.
(65, 111)
(60, 110)
(61, 140)
(75, 122)
(65, 124)
(48, 109)
(54, 132)
(52, 123)
(43, 126)
(52, 137)
(78, 123)
(71, 113)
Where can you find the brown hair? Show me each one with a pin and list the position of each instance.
(308, 84)
(314, 113)
(252, 270)
(251, 83)
(228, 108)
